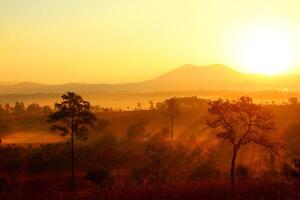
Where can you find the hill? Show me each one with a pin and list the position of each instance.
(184, 78)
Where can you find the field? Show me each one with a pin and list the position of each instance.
(126, 146)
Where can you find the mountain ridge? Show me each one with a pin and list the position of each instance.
(187, 77)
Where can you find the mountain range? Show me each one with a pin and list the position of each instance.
(184, 78)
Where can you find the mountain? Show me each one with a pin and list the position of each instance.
(184, 78)
(193, 73)
(191, 77)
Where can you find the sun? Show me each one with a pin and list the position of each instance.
(266, 50)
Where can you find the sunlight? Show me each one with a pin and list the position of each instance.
(266, 50)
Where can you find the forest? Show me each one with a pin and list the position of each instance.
(179, 148)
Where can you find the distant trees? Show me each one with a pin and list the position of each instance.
(19, 108)
(241, 122)
(72, 117)
(293, 101)
(138, 106)
(171, 109)
(151, 105)
(33, 108)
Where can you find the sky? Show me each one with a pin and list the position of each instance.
(117, 41)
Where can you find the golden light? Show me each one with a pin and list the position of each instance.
(267, 50)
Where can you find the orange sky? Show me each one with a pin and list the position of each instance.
(116, 41)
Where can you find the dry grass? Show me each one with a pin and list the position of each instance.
(57, 188)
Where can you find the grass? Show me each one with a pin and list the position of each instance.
(55, 188)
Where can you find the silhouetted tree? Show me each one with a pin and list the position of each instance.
(74, 118)
(8, 109)
(33, 108)
(96, 108)
(158, 152)
(46, 109)
(102, 126)
(2, 110)
(241, 122)
(293, 101)
(170, 108)
(19, 108)
(151, 107)
(139, 106)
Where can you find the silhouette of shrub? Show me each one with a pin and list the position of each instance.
(242, 172)
(36, 161)
(204, 171)
(296, 163)
(3, 184)
(100, 177)
(11, 160)
(137, 130)
(158, 153)
(140, 175)
(289, 172)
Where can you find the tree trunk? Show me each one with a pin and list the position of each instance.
(232, 169)
(158, 172)
(172, 128)
(72, 158)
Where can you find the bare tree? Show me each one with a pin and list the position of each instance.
(241, 122)
(170, 108)
(72, 117)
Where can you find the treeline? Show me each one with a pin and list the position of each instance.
(19, 109)
(19, 117)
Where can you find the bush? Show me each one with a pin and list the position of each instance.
(204, 171)
(11, 160)
(289, 172)
(139, 175)
(242, 172)
(99, 177)
(3, 184)
(36, 161)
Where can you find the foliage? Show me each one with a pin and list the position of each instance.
(241, 122)
(72, 117)
(171, 109)
(99, 176)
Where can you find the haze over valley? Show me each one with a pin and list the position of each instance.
(211, 81)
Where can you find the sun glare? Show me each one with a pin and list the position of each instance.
(267, 51)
